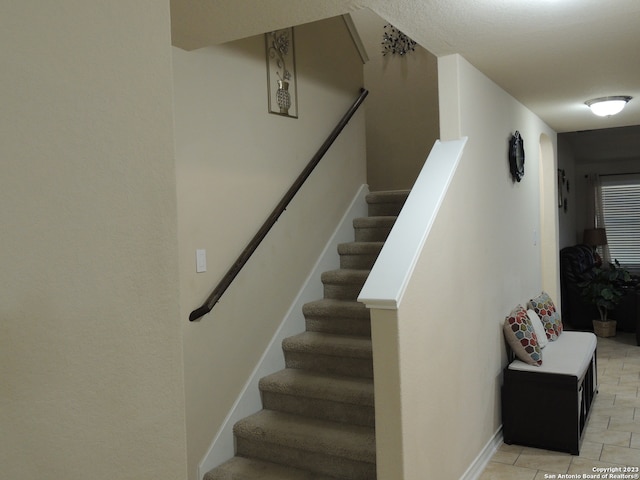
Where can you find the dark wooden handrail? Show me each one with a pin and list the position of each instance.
(273, 218)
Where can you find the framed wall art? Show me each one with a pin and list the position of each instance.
(281, 73)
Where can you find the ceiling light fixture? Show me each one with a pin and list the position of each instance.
(607, 106)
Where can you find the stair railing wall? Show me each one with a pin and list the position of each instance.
(393, 268)
(243, 258)
(383, 293)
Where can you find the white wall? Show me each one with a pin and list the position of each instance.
(234, 163)
(479, 262)
(90, 337)
(402, 111)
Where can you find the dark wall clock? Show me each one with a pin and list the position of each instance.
(516, 156)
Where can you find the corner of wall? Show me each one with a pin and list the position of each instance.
(449, 97)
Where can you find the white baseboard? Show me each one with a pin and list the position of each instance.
(479, 464)
(222, 447)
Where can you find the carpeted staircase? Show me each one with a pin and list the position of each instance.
(318, 417)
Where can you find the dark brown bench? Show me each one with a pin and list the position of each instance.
(548, 406)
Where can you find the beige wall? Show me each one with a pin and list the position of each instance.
(478, 262)
(402, 110)
(235, 161)
(90, 338)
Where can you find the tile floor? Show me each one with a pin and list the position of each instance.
(612, 435)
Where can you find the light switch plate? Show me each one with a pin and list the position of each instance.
(201, 260)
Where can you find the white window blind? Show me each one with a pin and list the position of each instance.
(621, 209)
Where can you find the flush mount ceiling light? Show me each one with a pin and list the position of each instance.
(607, 106)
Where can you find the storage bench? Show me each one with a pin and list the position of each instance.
(547, 406)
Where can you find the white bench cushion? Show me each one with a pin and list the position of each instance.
(570, 354)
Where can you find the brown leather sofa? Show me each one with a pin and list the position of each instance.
(576, 265)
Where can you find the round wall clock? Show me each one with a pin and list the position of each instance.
(516, 156)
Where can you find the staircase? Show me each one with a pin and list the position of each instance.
(318, 420)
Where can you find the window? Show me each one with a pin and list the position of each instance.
(621, 209)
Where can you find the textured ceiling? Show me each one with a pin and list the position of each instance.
(552, 55)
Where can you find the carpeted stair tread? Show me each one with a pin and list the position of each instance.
(336, 398)
(345, 276)
(318, 417)
(240, 468)
(343, 284)
(333, 307)
(303, 383)
(359, 255)
(386, 203)
(341, 317)
(309, 435)
(329, 344)
(360, 248)
(329, 353)
(388, 196)
(386, 221)
(373, 229)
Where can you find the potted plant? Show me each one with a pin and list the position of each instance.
(605, 290)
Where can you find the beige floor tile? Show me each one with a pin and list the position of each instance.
(624, 425)
(544, 460)
(635, 440)
(500, 471)
(543, 475)
(582, 466)
(621, 455)
(613, 411)
(590, 450)
(630, 368)
(508, 458)
(613, 363)
(609, 380)
(609, 437)
(605, 399)
(596, 421)
(596, 427)
(618, 389)
(627, 401)
(630, 378)
(613, 369)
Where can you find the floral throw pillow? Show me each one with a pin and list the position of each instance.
(521, 337)
(550, 317)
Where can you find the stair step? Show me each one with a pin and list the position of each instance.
(386, 203)
(341, 317)
(327, 448)
(373, 229)
(334, 354)
(319, 395)
(240, 468)
(343, 284)
(318, 421)
(359, 255)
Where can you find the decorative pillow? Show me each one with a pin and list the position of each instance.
(538, 328)
(550, 318)
(521, 337)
